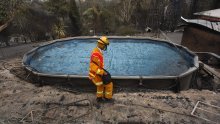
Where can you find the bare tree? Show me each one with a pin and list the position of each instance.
(126, 10)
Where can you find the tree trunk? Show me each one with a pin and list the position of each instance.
(193, 7)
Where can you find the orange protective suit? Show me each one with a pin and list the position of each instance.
(96, 71)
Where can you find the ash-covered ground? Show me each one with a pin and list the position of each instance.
(24, 102)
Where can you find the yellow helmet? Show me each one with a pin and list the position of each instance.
(103, 40)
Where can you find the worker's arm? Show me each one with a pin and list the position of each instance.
(96, 66)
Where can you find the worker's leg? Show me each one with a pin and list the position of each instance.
(100, 88)
(99, 93)
(108, 90)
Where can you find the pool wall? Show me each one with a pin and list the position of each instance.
(179, 82)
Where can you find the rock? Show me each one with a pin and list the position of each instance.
(62, 98)
(173, 104)
(132, 115)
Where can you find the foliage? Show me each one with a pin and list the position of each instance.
(7, 11)
(57, 7)
(100, 20)
(74, 18)
(92, 18)
(66, 11)
(32, 23)
(139, 16)
(59, 29)
(109, 22)
(42, 19)
(3, 11)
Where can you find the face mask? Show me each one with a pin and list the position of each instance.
(105, 48)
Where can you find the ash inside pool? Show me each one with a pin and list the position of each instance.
(124, 57)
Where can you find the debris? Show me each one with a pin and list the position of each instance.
(26, 116)
(207, 112)
(132, 115)
(124, 109)
(62, 98)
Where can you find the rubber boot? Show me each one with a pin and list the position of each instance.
(99, 99)
(109, 100)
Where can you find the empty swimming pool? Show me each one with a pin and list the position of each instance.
(137, 61)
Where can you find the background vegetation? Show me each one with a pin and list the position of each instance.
(37, 20)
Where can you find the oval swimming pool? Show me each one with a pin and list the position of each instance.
(125, 58)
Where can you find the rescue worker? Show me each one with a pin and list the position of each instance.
(97, 74)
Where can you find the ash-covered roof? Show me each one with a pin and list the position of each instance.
(211, 15)
(211, 25)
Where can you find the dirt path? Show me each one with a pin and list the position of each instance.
(17, 51)
(48, 104)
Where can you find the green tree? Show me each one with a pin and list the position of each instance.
(67, 13)
(8, 8)
(98, 19)
(33, 21)
(74, 18)
(139, 16)
(4, 4)
(58, 7)
(109, 22)
(92, 18)
(59, 30)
